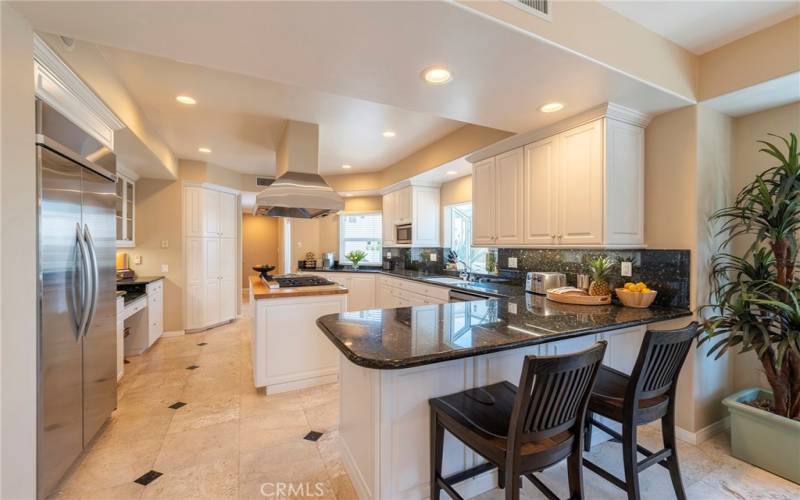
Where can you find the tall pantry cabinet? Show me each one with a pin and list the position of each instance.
(211, 247)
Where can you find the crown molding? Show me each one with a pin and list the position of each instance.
(60, 87)
(608, 110)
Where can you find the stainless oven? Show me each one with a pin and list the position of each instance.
(403, 235)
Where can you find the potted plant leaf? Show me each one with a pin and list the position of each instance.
(356, 256)
(756, 307)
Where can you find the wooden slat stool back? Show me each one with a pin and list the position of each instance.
(520, 430)
(647, 394)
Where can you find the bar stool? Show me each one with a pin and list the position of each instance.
(520, 431)
(645, 396)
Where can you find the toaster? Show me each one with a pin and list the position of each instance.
(540, 283)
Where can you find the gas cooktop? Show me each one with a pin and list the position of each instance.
(298, 281)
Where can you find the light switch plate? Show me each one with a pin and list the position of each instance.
(137, 260)
(434, 257)
(164, 268)
(388, 255)
(512, 262)
(626, 269)
(512, 308)
(164, 243)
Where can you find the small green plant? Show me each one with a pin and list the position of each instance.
(356, 256)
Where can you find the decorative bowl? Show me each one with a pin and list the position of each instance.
(638, 300)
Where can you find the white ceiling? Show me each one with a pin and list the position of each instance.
(371, 51)
(241, 119)
(703, 25)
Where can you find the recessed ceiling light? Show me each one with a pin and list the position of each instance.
(345, 166)
(551, 107)
(436, 75)
(348, 195)
(389, 133)
(204, 150)
(451, 172)
(185, 99)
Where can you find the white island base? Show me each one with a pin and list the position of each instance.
(384, 420)
(288, 350)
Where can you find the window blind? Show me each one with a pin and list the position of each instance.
(361, 232)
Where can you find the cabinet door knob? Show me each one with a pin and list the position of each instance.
(559, 236)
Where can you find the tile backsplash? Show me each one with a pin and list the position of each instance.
(664, 270)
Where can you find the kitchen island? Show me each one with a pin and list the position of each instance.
(393, 360)
(287, 349)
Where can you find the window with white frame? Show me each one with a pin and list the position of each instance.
(458, 227)
(361, 231)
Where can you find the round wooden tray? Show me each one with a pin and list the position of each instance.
(579, 299)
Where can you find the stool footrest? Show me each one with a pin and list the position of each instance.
(542, 487)
(611, 478)
(657, 457)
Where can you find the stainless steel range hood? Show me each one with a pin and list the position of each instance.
(298, 191)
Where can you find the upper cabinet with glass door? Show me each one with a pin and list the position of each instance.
(126, 211)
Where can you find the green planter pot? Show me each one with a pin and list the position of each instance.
(762, 438)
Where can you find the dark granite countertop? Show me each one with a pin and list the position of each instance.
(499, 290)
(421, 335)
(139, 280)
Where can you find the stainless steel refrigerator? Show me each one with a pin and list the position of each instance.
(77, 309)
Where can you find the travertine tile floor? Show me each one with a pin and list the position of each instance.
(230, 439)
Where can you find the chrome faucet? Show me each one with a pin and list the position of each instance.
(466, 272)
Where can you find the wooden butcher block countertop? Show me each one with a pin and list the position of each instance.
(261, 291)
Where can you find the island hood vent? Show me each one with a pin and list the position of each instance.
(298, 191)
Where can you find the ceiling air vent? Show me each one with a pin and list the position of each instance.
(264, 181)
(539, 8)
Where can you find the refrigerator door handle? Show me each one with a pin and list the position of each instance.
(95, 279)
(84, 280)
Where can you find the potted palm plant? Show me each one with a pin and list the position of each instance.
(756, 307)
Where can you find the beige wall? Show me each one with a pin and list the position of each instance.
(762, 56)
(259, 244)
(749, 162)
(18, 359)
(159, 217)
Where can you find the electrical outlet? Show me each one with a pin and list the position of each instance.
(512, 262)
(164, 243)
(164, 268)
(434, 257)
(512, 308)
(388, 255)
(626, 269)
(137, 260)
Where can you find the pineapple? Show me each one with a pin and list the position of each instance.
(601, 269)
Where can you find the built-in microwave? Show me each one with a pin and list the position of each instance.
(403, 236)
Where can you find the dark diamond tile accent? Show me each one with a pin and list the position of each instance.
(201, 344)
(177, 405)
(312, 436)
(148, 477)
(193, 367)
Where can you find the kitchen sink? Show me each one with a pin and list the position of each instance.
(447, 281)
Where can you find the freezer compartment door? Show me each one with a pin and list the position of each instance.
(100, 337)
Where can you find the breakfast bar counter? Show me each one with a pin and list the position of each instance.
(393, 360)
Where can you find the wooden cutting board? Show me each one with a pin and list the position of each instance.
(578, 297)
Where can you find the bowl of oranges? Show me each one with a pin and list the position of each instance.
(636, 295)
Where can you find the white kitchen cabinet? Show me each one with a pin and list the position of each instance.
(387, 215)
(211, 226)
(509, 186)
(582, 187)
(483, 202)
(541, 170)
(155, 311)
(415, 205)
(497, 201)
(126, 211)
(403, 206)
(361, 294)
